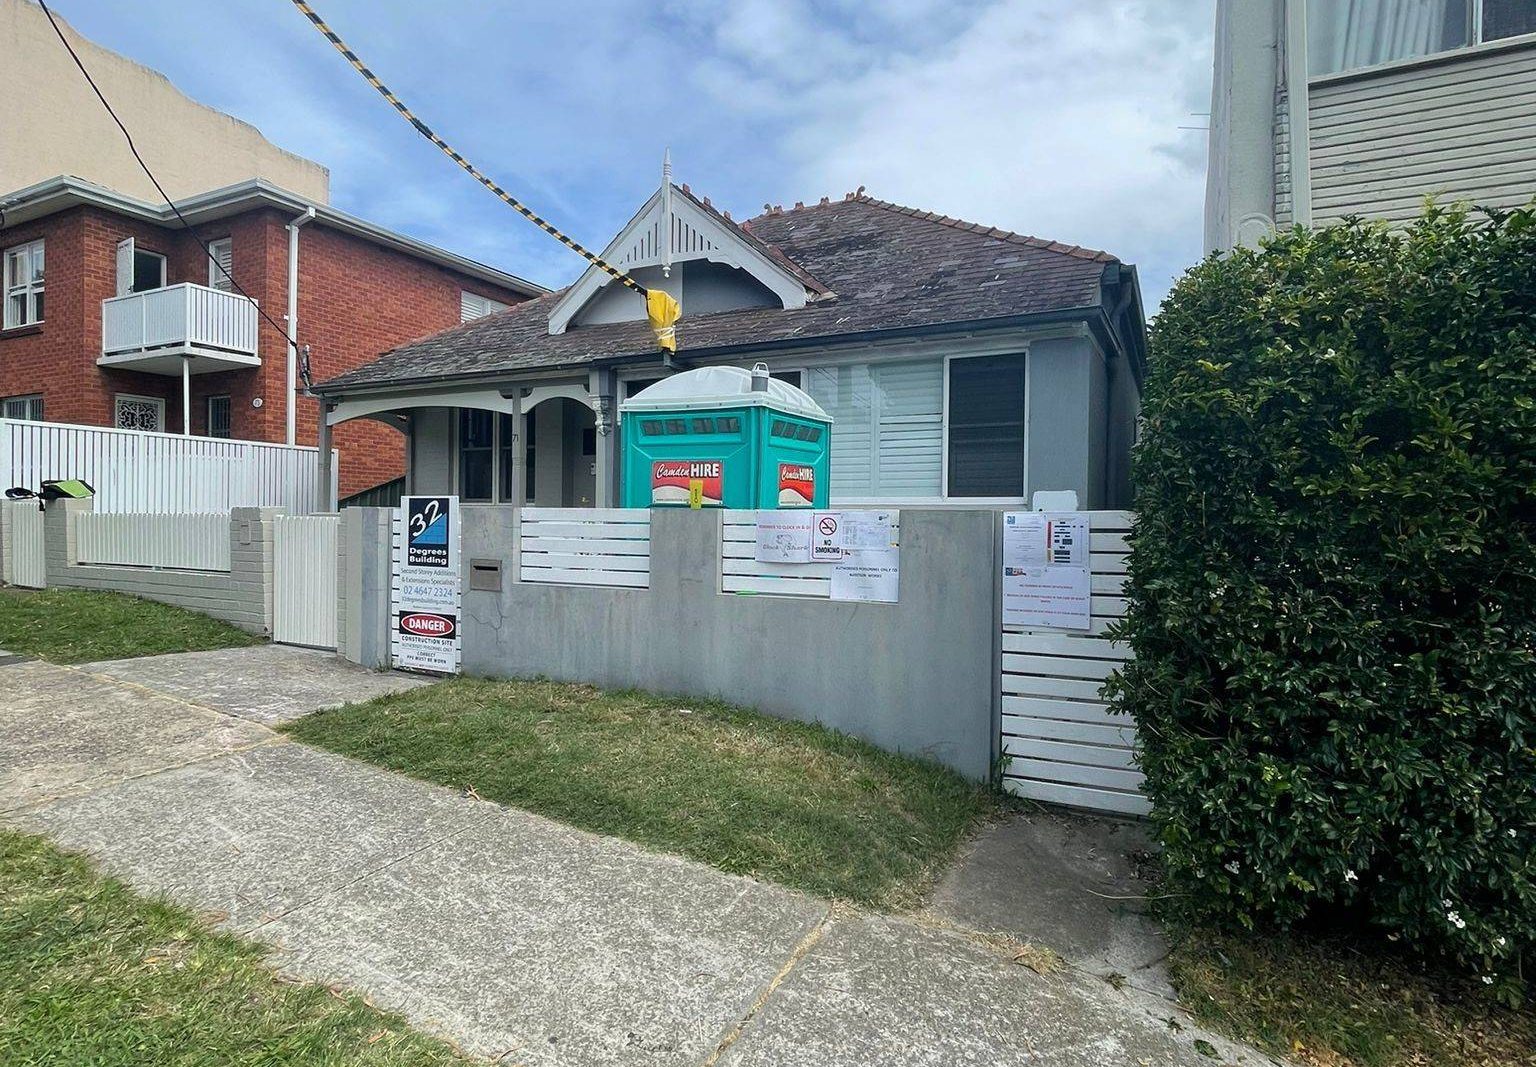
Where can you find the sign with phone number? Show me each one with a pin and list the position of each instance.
(425, 591)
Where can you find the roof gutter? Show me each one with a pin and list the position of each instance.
(1089, 314)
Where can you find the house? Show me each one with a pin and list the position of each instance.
(134, 326)
(52, 122)
(1327, 108)
(958, 362)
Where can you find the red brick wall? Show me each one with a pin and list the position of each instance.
(356, 300)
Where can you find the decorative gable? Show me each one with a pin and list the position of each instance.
(671, 230)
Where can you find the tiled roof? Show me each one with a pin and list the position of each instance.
(869, 265)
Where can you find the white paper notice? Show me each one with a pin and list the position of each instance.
(869, 574)
(1045, 570)
(868, 529)
(783, 537)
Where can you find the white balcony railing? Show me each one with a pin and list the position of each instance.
(185, 318)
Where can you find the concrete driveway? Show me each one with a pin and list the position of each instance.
(517, 937)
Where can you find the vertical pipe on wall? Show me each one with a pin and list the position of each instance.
(186, 396)
(291, 396)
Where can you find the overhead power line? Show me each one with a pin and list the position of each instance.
(156, 182)
(426, 131)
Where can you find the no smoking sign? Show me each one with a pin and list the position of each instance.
(827, 543)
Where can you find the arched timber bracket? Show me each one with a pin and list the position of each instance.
(366, 407)
(570, 390)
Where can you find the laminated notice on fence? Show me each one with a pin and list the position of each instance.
(424, 598)
(783, 537)
(870, 567)
(1046, 570)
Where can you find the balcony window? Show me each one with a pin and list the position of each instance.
(221, 265)
(1350, 34)
(23, 282)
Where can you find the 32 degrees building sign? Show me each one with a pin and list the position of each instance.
(426, 586)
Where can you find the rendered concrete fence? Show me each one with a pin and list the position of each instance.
(915, 677)
(242, 595)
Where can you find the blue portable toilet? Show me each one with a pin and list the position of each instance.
(725, 437)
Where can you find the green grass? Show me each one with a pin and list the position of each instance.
(93, 974)
(790, 802)
(1330, 1002)
(81, 625)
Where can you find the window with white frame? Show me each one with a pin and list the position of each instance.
(221, 264)
(986, 427)
(138, 413)
(474, 306)
(1352, 34)
(23, 283)
(29, 408)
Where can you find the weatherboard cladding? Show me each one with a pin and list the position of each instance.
(887, 268)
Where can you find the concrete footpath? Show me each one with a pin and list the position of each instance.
(521, 939)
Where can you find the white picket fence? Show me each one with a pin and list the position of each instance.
(191, 542)
(1065, 746)
(740, 571)
(136, 472)
(585, 546)
(304, 601)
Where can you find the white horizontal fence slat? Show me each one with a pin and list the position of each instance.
(190, 542)
(585, 546)
(304, 579)
(1063, 743)
(134, 471)
(740, 571)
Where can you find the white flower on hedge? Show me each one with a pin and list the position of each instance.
(1233, 867)
(1350, 876)
(1500, 942)
(1455, 919)
(1445, 903)
(1487, 979)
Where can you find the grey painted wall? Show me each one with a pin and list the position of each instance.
(915, 677)
(1080, 418)
(364, 549)
(242, 595)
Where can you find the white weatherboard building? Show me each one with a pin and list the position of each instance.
(1327, 108)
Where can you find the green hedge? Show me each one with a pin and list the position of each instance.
(1333, 584)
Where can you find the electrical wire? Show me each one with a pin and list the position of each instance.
(156, 182)
(426, 131)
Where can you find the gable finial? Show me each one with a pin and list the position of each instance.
(666, 213)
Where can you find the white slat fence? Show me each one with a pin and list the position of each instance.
(192, 542)
(740, 571)
(1065, 746)
(304, 598)
(134, 471)
(586, 546)
(24, 553)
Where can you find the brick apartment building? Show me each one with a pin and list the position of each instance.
(131, 321)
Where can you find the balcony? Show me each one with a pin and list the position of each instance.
(178, 330)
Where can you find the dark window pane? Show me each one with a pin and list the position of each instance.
(703, 426)
(475, 475)
(730, 425)
(806, 433)
(505, 443)
(589, 441)
(475, 428)
(650, 427)
(986, 426)
(631, 388)
(790, 376)
(676, 426)
(218, 416)
(148, 271)
(1508, 18)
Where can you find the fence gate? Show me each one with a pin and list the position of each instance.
(27, 544)
(304, 580)
(1064, 745)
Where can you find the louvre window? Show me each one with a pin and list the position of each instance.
(889, 428)
(221, 265)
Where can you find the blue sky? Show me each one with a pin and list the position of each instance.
(1058, 118)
